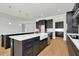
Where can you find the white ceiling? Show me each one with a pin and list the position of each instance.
(33, 11)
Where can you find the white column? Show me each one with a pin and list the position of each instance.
(53, 29)
(65, 28)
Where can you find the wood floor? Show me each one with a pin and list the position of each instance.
(4, 52)
(58, 47)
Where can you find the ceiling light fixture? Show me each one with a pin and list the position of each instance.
(9, 23)
(58, 10)
(19, 24)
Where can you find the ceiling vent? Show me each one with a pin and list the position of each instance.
(10, 6)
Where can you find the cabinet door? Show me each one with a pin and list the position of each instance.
(69, 17)
(49, 23)
(27, 47)
(27, 51)
(76, 7)
(37, 25)
(36, 46)
(2, 40)
(43, 44)
(71, 28)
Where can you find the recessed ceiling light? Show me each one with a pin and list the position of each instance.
(9, 23)
(19, 24)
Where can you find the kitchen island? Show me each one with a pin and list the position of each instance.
(5, 40)
(74, 41)
(28, 45)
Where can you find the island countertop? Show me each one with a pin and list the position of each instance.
(28, 36)
(75, 41)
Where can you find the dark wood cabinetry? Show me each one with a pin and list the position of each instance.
(28, 47)
(71, 27)
(69, 42)
(49, 23)
(59, 25)
(5, 41)
(36, 46)
(75, 8)
(43, 44)
(37, 25)
(59, 34)
(76, 14)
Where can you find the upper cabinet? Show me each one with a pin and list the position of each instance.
(40, 22)
(75, 8)
(71, 27)
(72, 19)
(49, 23)
(46, 24)
(76, 14)
(59, 24)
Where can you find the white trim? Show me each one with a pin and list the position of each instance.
(59, 30)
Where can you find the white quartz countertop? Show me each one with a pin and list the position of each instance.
(75, 41)
(28, 36)
(12, 33)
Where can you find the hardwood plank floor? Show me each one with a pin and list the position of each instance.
(4, 52)
(58, 47)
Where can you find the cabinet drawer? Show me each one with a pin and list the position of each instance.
(27, 54)
(27, 41)
(26, 45)
(27, 51)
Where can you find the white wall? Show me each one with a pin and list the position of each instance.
(30, 27)
(18, 24)
(14, 27)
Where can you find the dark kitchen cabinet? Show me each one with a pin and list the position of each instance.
(59, 25)
(71, 27)
(49, 23)
(43, 44)
(37, 25)
(28, 47)
(70, 43)
(36, 46)
(31, 47)
(59, 34)
(75, 8)
(76, 14)
(5, 41)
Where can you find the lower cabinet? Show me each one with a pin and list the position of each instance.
(74, 48)
(30, 47)
(27, 48)
(59, 34)
(43, 44)
(36, 47)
